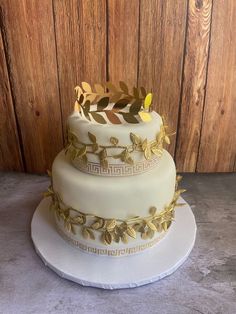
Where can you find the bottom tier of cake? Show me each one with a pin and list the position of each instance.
(113, 216)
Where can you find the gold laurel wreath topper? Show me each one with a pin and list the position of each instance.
(114, 103)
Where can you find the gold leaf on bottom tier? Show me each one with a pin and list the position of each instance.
(110, 224)
(131, 232)
(124, 238)
(85, 233)
(151, 225)
(106, 237)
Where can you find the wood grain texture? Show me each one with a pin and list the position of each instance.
(193, 86)
(80, 28)
(162, 35)
(123, 32)
(29, 34)
(10, 154)
(218, 140)
(184, 51)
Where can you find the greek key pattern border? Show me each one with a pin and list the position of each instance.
(105, 251)
(116, 170)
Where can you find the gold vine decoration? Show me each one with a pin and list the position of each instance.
(78, 149)
(114, 229)
(113, 102)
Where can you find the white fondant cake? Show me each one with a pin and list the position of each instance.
(114, 187)
(115, 197)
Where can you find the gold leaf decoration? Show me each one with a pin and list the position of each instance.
(102, 103)
(131, 232)
(156, 151)
(86, 87)
(114, 140)
(144, 144)
(124, 238)
(97, 224)
(85, 233)
(103, 154)
(107, 238)
(151, 226)
(114, 229)
(92, 137)
(81, 152)
(135, 107)
(112, 117)
(104, 163)
(116, 238)
(135, 138)
(68, 226)
(97, 117)
(167, 140)
(148, 101)
(78, 220)
(130, 118)
(129, 160)
(152, 210)
(91, 234)
(110, 224)
(78, 149)
(147, 152)
(126, 104)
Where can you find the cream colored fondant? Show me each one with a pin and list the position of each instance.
(115, 197)
(80, 126)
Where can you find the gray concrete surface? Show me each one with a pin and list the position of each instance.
(206, 283)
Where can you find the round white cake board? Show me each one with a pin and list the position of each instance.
(113, 272)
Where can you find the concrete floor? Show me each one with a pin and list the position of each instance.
(206, 283)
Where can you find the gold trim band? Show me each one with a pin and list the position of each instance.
(116, 170)
(109, 252)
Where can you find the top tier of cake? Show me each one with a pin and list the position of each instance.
(115, 139)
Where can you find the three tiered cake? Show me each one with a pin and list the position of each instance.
(114, 186)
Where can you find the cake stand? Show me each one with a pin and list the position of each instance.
(113, 272)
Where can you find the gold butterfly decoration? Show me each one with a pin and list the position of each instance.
(114, 103)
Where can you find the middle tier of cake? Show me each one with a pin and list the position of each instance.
(115, 197)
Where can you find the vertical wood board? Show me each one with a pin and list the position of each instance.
(30, 40)
(80, 27)
(162, 36)
(10, 154)
(194, 82)
(123, 32)
(218, 140)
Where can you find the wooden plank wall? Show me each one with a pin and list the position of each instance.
(183, 50)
